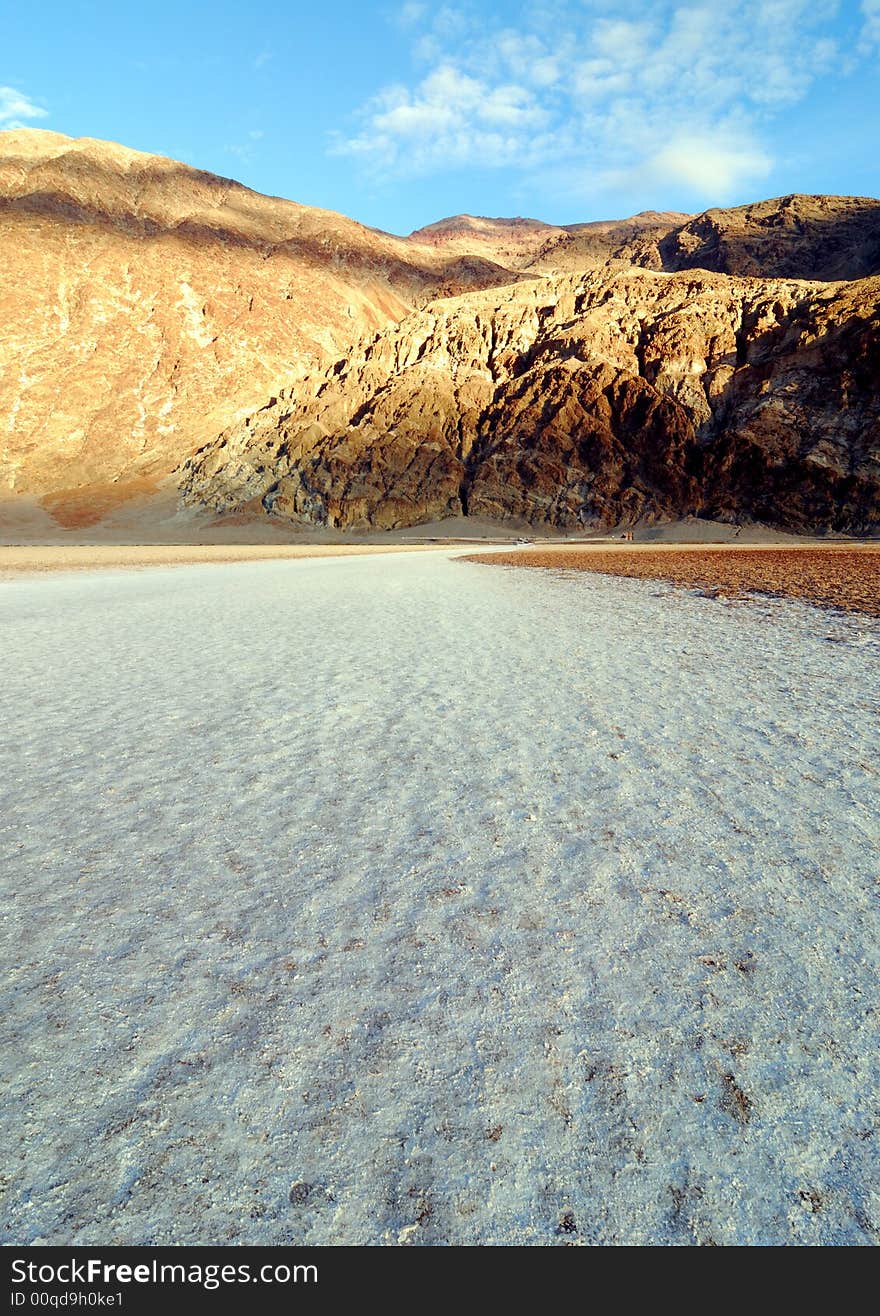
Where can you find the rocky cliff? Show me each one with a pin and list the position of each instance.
(591, 399)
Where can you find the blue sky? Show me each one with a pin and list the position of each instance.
(403, 113)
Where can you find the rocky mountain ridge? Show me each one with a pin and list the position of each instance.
(160, 323)
(582, 400)
(792, 237)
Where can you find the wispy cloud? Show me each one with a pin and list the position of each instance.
(410, 13)
(16, 109)
(244, 150)
(449, 118)
(601, 95)
(870, 35)
(711, 166)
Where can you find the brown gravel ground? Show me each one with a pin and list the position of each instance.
(838, 576)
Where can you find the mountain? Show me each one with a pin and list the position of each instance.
(145, 303)
(792, 237)
(529, 245)
(585, 400)
(165, 329)
(581, 246)
(516, 243)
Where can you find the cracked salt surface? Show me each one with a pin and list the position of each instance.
(404, 899)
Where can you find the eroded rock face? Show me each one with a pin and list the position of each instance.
(580, 400)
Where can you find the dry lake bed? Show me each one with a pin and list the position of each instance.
(402, 899)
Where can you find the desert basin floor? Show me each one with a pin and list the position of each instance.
(408, 900)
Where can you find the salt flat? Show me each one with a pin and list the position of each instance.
(401, 899)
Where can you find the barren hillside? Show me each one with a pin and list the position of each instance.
(145, 304)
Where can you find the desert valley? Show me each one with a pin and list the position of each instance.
(440, 718)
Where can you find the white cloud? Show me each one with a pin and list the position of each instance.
(411, 13)
(602, 92)
(450, 117)
(16, 109)
(528, 59)
(624, 42)
(870, 34)
(718, 166)
(244, 150)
